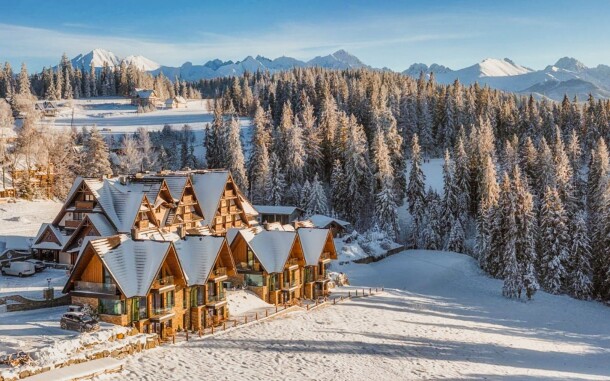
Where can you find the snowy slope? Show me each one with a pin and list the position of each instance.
(142, 63)
(98, 57)
(442, 319)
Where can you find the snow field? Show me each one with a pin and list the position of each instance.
(440, 318)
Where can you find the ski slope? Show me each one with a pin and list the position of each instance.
(439, 318)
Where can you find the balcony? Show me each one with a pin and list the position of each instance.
(188, 200)
(215, 300)
(162, 313)
(229, 193)
(84, 205)
(244, 266)
(96, 288)
(292, 262)
(325, 257)
(72, 223)
(219, 273)
(289, 286)
(164, 284)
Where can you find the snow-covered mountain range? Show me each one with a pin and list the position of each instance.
(566, 76)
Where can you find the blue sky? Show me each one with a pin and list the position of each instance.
(394, 34)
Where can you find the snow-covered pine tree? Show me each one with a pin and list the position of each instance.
(317, 202)
(276, 185)
(416, 192)
(553, 241)
(597, 187)
(338, 192)
(456, 239)
(24, 81)
(294, 153)
(485, 223)
(304, 196)
(235, 155)
(525, 237)
(258, 166)
(150, 157)
(579, 279)
(503, 233)
(449, 196)
(215, 138)
(386, 213)
(131, 156)
(96, 162)
(358, 184)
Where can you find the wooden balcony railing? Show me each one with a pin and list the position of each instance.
(220, 271)
(99, 288)
(163, 282)
(292, 262)
(84, 204)
(229, 193)
(325, 256)
(213, 299)
(72, 223)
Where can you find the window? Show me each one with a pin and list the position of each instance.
(250, 258)
(254, 280)
(76, 216)
(274, 282)
(169, 301)
(106, 278)
(111, 307)
(89, 197)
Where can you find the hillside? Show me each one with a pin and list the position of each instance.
(441, 319)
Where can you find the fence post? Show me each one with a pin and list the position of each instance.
(187, 335)
(174, 338)
(235, 323)
(349, 294)
(266, 312)
(246, 319)
(200, 332)
(256, 316)
(308, 307)
(224, 325)
(276, 308)
(212, 328)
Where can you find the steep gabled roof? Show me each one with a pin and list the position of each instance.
(322, 221)
(198, 256)
(277, 209)
(313, 242)
(132, 264)
(208, 188)
(176, 185)
(44, 228)
(272, 248)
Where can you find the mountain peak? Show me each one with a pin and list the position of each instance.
(571, 64)
(494, 67)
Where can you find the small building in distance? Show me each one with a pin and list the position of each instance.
(337, 227)
(47, 108)
(176, 102)
(278, 213)
(145, 97)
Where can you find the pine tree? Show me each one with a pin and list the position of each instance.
(385, 205)
(358, 176)
(456, 239)
(553, 241)
(215, 138)
(235, 154)
(416, 189)
(96, 161)
(295, 154)
(305, 195)
(337, 190)
(488, 204)
(276, 185)
(318, 202)
(258, 166)
(24, 81)
(579, 279)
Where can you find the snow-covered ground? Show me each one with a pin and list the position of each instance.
(243, 301)
(31, 287)
(439, 317)
(116, 116)
(24, 218)
(38, 333)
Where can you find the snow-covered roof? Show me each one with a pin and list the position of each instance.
(197, 256)
(176, 185)
(102, 225)
(272, 248)
(145, 93)
(62, 239)
(312, 241)
(278, 226)
(322, 221)
(247, 206)
(209, 187)
(277, 209)
(133, 264)
(232, 234)
(13, 242)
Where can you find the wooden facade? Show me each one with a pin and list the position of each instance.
(160, 309)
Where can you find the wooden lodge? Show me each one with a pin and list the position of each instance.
(156, 251)
(176, 102)
(208, 264)
(137, 283)
(145, 97)
(269, 263)
(278, 213)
